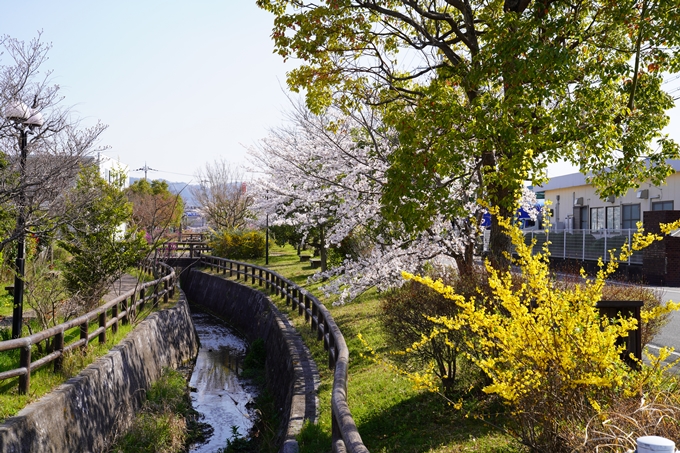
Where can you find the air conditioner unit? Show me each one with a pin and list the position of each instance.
(643, 193)
(611, 199)
(578, 201)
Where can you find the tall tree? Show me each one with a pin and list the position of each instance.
(222, 193)
(509, 85)
(154, 207)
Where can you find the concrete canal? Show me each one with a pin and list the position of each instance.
(217, 392)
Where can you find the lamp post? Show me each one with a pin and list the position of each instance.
(266, 240)
(25, 121)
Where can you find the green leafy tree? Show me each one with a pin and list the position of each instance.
(101, 246)
(491, 92)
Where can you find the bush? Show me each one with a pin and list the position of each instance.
(406, 314)
(621, 290)
(550, 355)
(238, 244)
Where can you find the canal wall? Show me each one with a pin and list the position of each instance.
(83, 414)
(291, 374)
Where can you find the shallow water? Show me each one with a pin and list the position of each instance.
(217, 391)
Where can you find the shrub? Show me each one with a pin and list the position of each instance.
(238, 244)
(621, 290)
(406, 318)
(547, 351)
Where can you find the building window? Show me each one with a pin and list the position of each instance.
(597, 218)
(613, 217)
(630, 216)
(662, 205)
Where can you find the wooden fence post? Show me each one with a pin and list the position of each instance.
(114, 315)
(83, 336)
(126, 309)
(25, 362)
(59, 346)
(142, 299)
(102, 323)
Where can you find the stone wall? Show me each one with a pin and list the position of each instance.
(83, 414)
(291, 373)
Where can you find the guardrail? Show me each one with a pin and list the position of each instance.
(119, 310)
(345, 436)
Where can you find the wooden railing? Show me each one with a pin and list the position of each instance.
(119, 310)
(345, 436)
(182, 249)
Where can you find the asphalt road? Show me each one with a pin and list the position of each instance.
(670, 334)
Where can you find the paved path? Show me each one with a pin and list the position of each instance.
(124, 284)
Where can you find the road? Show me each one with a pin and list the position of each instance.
(670, 334)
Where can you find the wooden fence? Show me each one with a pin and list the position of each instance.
(109, 315)
(345, 436)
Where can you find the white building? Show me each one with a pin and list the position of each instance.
(575, 205)
(110, 169)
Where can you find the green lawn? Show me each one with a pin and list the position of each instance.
(391, 416)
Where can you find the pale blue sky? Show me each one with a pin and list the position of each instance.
(180, 83)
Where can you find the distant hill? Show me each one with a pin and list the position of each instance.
(181, 188)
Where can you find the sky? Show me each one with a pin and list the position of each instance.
(179, 83)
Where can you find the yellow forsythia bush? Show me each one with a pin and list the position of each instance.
(545, 349)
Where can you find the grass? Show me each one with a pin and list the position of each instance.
(6, 302)
(45, 380)
(390, 414)
(165, 422)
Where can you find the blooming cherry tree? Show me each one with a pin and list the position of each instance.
(328, 171)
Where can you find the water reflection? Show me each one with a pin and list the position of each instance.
(217, 391)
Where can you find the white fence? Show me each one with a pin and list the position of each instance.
(583, 245)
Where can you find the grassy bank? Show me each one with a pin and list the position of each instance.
(391, 416)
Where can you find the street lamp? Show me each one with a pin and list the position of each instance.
(25, 121)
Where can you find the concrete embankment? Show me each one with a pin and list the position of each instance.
(291, 373)
(83, 414)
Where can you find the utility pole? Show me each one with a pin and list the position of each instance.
(145, 169)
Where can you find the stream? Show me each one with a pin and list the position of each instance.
(217, 392)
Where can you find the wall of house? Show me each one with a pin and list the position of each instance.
(563, 199)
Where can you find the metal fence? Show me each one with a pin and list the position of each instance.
(119, 310)
(345, 436)
(583, 245)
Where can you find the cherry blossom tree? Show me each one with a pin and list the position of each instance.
(329, 170)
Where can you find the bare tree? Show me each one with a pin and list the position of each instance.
(37, 164)
(223, 194)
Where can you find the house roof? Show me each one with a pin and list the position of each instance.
(579, 179)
